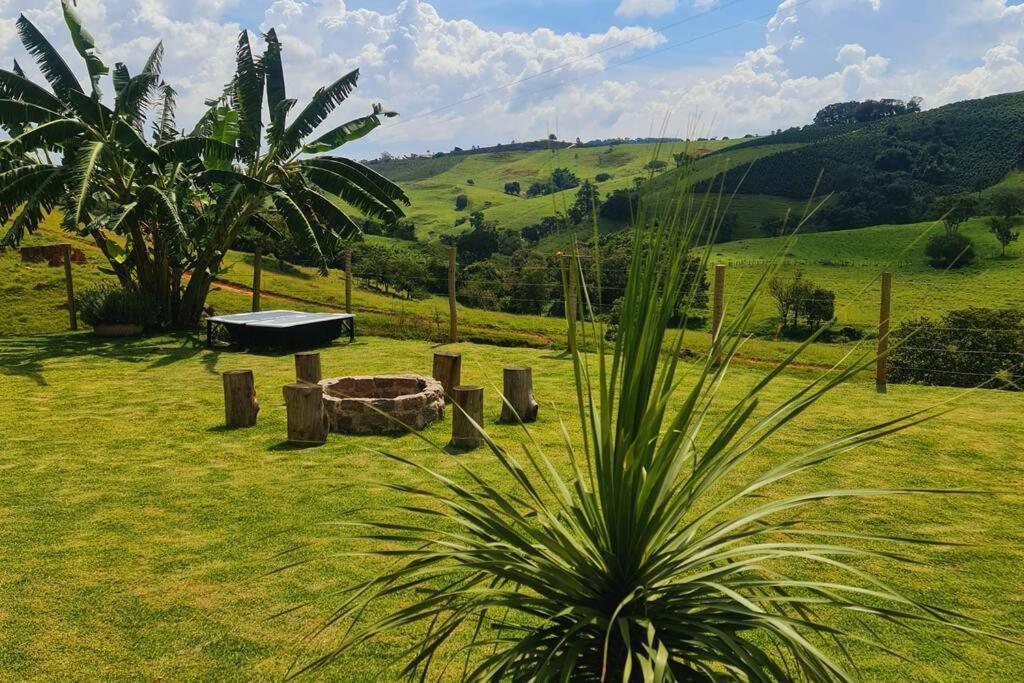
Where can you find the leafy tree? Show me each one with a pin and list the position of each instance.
(656, 165)
(461, 202)
(602, 177)
(513, 188)
(564, 179)
(799, 298)
(950, 250)
(484, 239)
(1007, 207)
(772, 226)
(683, 158)
(171, 206)
(955, 210)
(585, 205)
(620, 205)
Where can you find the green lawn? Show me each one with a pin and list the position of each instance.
(137, 534)
(850, 262)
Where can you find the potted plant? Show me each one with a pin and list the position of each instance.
(115, 312)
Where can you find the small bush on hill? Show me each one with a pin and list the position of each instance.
(656, 165)
(950, 250)
(461, 202)
(602, 177)
(513, 188)
(800, 298)
(108, 304)
(963, 349)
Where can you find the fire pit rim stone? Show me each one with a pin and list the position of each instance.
(358, 414)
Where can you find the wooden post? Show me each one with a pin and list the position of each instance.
(257, 276)
(519, 403)
(881, 363)
(718, 311)
(307, 367)
(465, 435)
(348, 280)
(72, 313)
(572, 296)
(448, 370)
(240, 404)
(307, 416)
(453, 314)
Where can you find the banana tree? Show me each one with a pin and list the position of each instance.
(165, 210)
(275, 175)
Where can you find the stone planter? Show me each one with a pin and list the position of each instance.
(117, 330)
(385, 404)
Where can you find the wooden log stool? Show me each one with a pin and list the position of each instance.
(307, 367)
(466, 435)
(240, 404)
(448, 371)
(519, 403)
(307, 417)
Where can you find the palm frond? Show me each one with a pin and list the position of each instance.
(15, 86)
(85, 168)
(324, 101)
(18, 113)
(274, 71)
(86, 47)
(347, 132)
(136, 97)
(54, 68)
(164, 129)
(154, 62)
(302, 230)
(41, 194)
(52, 135)
(247, 96)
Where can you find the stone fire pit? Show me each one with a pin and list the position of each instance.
(354, 404)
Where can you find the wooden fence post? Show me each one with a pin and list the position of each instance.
(453, 315)
(348, 280)
(240, 404)
(257, 276)
(465, 435)
(307, 367)
(72, 313)
(718, 310)
(307, 416)
(448, 370)
(519, 403)
(881, 363)
(572, 295)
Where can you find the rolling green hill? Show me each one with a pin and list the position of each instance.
(433, 184)
(883, 171)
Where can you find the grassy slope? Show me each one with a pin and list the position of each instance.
(137, 534)
(850, 262)
(433, 193)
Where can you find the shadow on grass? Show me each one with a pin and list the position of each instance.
(27, 356)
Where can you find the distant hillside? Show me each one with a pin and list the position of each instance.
(886, 171)
(433, 183)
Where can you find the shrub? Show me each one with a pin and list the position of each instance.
(113, 305)
(461, 202)
(602, 177)
(658, 547)
(656, 164)
(962, 349)
(950, 250)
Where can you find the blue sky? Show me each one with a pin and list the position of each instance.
(464, 73)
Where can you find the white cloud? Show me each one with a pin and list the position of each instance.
(1002, 71)
(851, 53)
(632, 8)
(456, 82)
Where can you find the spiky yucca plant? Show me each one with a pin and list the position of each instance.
(652, 550)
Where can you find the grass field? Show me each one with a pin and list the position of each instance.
(433, 184)
(850, 262)
(138, 537)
